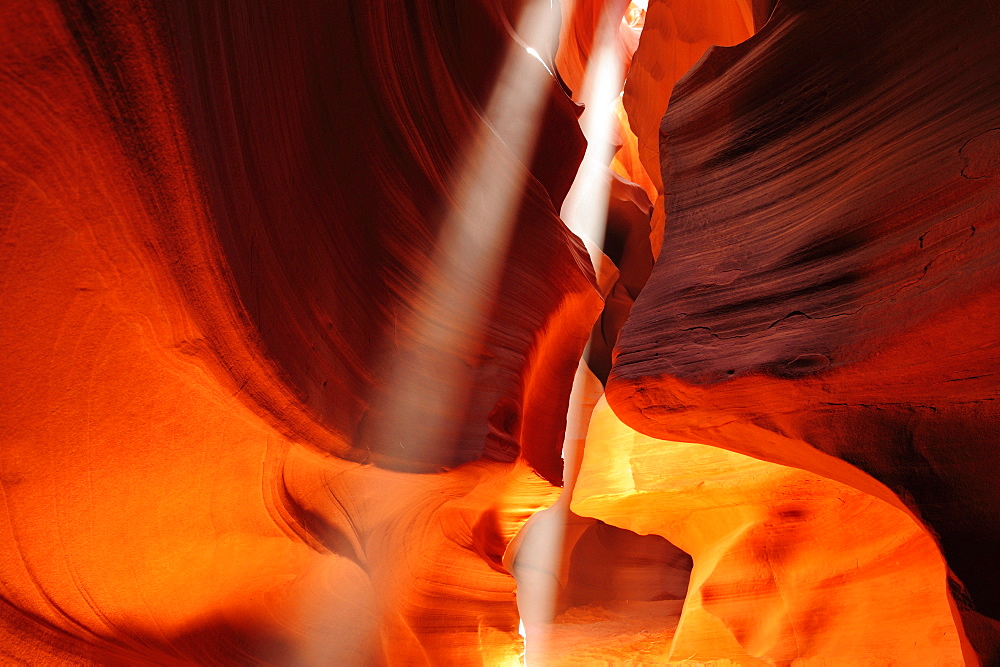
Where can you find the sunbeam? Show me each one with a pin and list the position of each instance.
(539, 566)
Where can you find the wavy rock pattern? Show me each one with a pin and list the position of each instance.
(788, 566)
(676, 35)
(578, 33)
(215, 235)
(290, 324)
(827, 286)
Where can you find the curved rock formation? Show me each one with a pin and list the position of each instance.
(310, 260)
(219, 236)
(827, 288)
(627, 249)
(675, 36)
(580, 29)
(789, 567)
(290, 323)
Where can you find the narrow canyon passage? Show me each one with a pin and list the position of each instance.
(499, 332)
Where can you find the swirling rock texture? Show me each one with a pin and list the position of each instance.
(220, 221)
(290, 323)
(675, 35)
(826, 294)
(788, 566)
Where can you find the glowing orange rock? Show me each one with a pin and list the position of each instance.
(208, 246)
(237, 242)
(626, 161)
(828, 283)
(579, 30)
(787, 565)
(675, 35)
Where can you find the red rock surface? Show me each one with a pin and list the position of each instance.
(827, 290)
(580, 30)
(626, 247)
(217, 223)
(675, 36)
(290, 322)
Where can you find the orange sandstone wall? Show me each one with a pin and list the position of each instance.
(826, 292)
(256, 408)
(789, 567)
(216, 222)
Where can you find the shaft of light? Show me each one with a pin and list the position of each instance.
(428, 371)
(540, 567)
(431, 374)
(585, 207)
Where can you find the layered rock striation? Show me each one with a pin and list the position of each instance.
(223, 232)
(825, 296)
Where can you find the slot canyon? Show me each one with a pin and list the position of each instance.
(500, 332)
